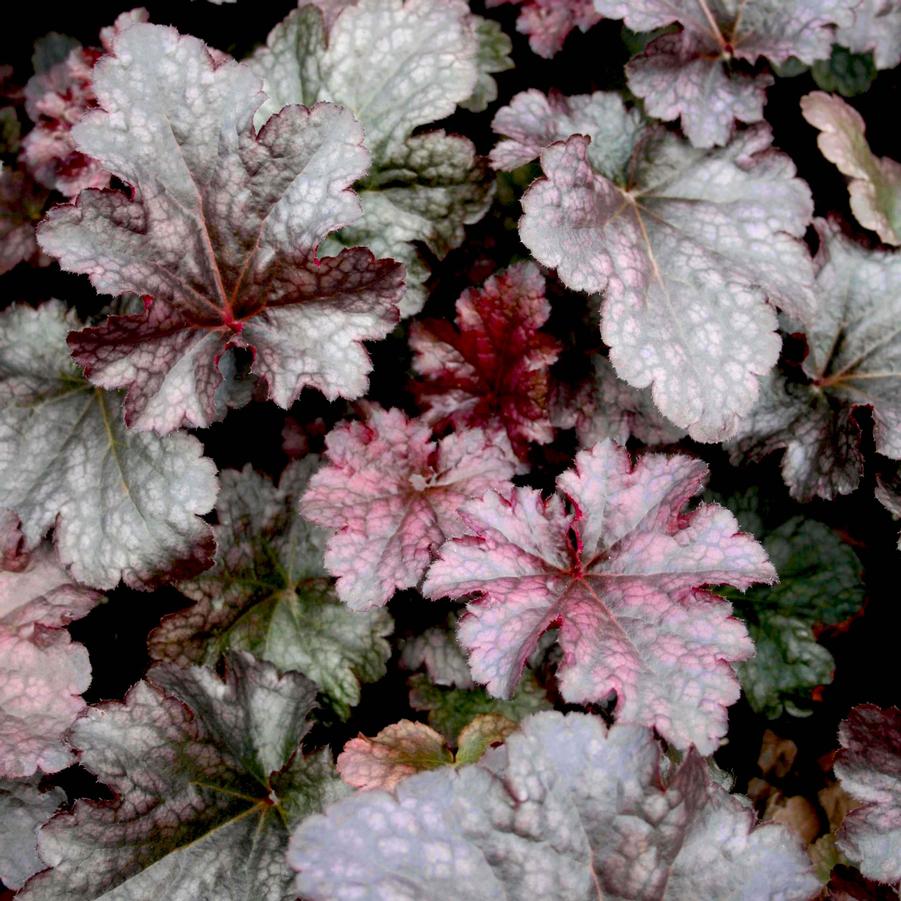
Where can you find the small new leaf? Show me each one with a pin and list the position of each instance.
(547, 23)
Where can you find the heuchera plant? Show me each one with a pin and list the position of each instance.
(450, 451)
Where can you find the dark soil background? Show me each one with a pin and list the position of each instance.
(865, 649)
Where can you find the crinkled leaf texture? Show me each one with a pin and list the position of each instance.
(854, 360)
(208, 780)
(869, 768)
(547, 23)
(438, 652)
(493, 369)
(876, 28)
(397, 66)
(620, 573)
(23, 810)
(819, 584)
(123, 505)
(42, 671)
(390, 494)
(493, 57)
(222, 232)
(567, 809)
(688, 248)
(268, 593)
(875, 186)
(692, 75)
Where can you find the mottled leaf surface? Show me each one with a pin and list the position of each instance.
(854, 360)
(687, 247)
(869, 768)
(491, 371)
(876, 28)
(122, 504)
(437, 651)
(547, 23)
(390, 495)
(23, 810)
(268, 593)
(208, 781)
(888, 493)
(618, 565)
(567, 809)
(819, 584)
(222, 232)
(422, 187)
(691, 75)
(42, 671)
(875, 182)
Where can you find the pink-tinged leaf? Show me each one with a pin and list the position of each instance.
(23, 810)
(492, 370)
(567, 809)
(854, 360)
(620, 576)
(391, 494)
(122, 504)
(547, 23)
(692, 251)
(207, 778)
(869, 768)
(21, 206)
(690, 74)
(222, 232)
(396, 752)
(876, 28)
(42, 671)
(875, 182)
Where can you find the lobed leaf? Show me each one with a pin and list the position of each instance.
(207, 782)
(268, 593)
(691, 75)
(687, 247)
(547, 23)
(876, 28)
(620, 576)
(123, 504)
(222, 232)
(492, 371)
(390, 496)
(423, 187)
(854, 352)
(568, 809)
(23, 810)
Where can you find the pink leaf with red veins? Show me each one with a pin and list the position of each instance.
(42, 672)
(221, 230)
(492, 370)
(620, 575)
(391, 494)
(549, 22)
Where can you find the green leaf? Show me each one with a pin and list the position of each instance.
(269, 594)
(848, 73)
